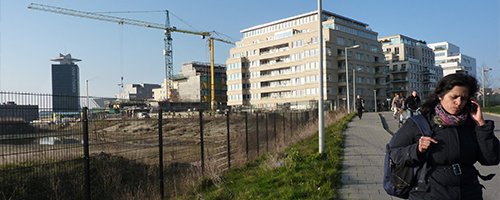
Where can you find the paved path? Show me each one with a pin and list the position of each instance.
(362, 170)
(364, 152)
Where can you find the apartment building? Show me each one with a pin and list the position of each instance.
(449, 58)
(276, 64)
(410, 66)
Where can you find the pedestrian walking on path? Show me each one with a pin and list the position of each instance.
(360, 106)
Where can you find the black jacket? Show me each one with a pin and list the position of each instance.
(412, 102)
(465, 144)
(360, 104)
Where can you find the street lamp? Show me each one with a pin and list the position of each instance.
(321, 120)
(87, 88)
(483, 70)
(347, 75)
(354, 85)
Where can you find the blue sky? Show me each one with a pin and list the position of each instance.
(30, 38)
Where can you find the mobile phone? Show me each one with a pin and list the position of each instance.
(472, 107)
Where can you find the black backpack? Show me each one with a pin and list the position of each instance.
(398, 178)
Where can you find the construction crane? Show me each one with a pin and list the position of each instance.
(213, 101)
(168, 53)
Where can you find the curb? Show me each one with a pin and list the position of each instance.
(494, 114)
(384, 124)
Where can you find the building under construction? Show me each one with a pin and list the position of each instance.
(192, 85)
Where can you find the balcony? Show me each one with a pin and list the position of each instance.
(399, 80)
(395, 71)
(397, 89)
(426, 72)
(274, 49)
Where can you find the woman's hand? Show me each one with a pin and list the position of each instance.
(424, 143)
(477, 114)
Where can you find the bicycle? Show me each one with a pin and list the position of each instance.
(412, 112)
(401, 117)
(404, 114)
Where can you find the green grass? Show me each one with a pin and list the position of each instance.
(112, 177)
(494, 109)
(297, 173)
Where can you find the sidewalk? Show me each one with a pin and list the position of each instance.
(362, 170)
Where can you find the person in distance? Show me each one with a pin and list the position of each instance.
(412, 103)
(360, 105)
(396, 105)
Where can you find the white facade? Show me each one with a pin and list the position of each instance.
(277, 64)
(194, 81)
(410, 66)
(448, 57)
(137, 91)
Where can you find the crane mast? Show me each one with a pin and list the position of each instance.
(168, 51)
(169, 59)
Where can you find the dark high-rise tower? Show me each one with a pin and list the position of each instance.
(65, 84)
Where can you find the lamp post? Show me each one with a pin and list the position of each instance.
(354, 85)
(321, 120)
(87, 88)
(347, 75)
(483, 70)
(375, 99)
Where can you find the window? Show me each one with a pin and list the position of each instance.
(340, 41)
(440, 54)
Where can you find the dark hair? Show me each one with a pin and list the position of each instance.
(445, 85)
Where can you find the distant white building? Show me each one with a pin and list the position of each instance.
(410, 66)
(192, 81)
(448, 57)
(137, 91)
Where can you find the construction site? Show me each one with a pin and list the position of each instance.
(200, 85)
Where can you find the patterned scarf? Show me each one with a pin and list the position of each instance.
(444, 118)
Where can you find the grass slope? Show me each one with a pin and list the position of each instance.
(494, 109)
(297, 173)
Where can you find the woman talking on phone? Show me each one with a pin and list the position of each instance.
(461, 137)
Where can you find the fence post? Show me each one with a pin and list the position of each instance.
(300, 118)
(86, 154)
(274, 128)
(291, 125)
(284, 128)
(267, 133)
(257, 130)
(246, 133)
(160, 151)
(228, 141)
(297, 119)
(202, 153)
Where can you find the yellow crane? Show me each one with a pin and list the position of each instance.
(167, 38)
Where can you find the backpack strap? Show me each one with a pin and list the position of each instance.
(422, 125)
(425, 129)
